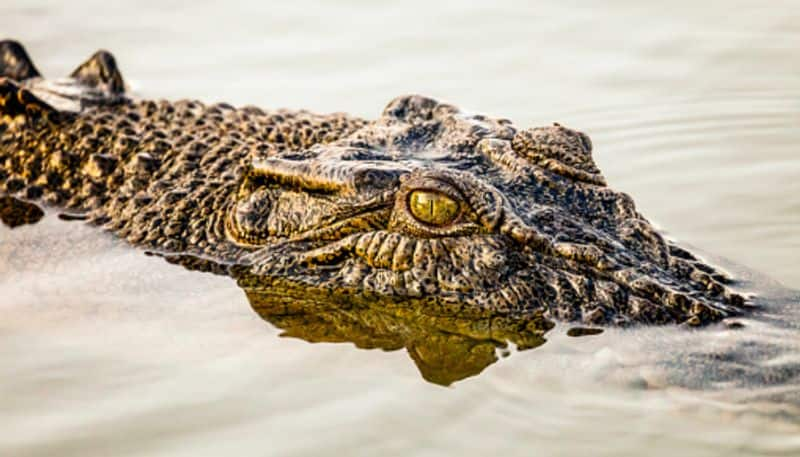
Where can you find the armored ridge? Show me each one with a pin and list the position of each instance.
(453, 213)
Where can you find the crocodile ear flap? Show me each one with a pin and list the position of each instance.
(15, 63)
(560, 150)
(16, 101)
(101, 72)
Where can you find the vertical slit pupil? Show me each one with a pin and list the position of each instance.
(432, 208)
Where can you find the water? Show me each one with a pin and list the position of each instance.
(693, 108)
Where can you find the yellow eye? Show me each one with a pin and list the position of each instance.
(432, 208)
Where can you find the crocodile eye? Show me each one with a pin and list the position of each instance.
(432, 208)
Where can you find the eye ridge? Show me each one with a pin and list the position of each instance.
(433, 207)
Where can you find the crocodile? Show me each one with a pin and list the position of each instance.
(425, 207)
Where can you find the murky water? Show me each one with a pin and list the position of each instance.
(693, 108)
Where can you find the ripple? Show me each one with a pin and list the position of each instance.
(720, 171)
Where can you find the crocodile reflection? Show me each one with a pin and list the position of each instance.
(445, 348)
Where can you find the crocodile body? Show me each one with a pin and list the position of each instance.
(458, 214)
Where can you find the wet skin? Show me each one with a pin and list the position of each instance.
(425, 208)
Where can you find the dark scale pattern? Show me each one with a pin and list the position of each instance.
(520, 224)
(158, 174)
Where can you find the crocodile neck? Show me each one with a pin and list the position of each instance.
(159, 174)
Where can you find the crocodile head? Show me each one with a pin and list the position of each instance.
(464, 214)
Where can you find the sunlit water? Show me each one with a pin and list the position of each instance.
(693, 108)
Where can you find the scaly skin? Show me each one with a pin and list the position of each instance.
(296, 204)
